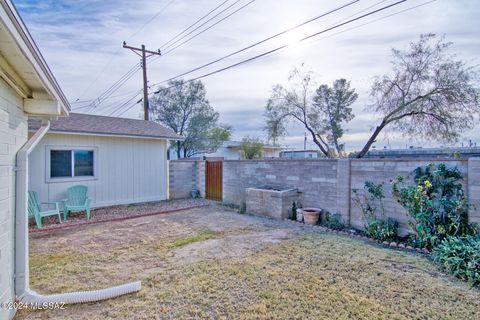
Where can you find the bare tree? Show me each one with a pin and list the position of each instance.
(322, 115)
(430, 94)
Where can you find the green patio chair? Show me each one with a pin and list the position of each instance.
(35, 209)
(77, 201)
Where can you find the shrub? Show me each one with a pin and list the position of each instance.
(460, 256)
(382, 230)
(370, 202)
(243, 208)
(436, 204)
(333, 221)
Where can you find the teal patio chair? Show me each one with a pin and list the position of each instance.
(35, 209)
(77, 201)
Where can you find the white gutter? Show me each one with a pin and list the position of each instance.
(22, 289)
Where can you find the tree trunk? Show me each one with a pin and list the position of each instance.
(372, 139)
(179, 145)
(318, 143)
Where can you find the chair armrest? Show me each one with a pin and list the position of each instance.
(52, 203)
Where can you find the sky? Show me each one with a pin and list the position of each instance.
(82, 43)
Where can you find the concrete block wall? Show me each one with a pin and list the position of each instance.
(323, 183)
(473, 189)
(13, 134)
(182, 178)
(315, 179)
(386, 170)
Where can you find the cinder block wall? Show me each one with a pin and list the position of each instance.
(183, 178)
(386, 170)
(13, 134)
(473, 190)
(324, 183)
(315, 179)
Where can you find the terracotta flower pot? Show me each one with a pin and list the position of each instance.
(311, 215)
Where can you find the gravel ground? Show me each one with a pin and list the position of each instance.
(118, 212)
(213, 263)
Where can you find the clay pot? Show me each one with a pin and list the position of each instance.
(311, 215)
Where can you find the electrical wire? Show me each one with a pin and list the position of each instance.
(124, 104)
(193, 24)
(198, 27)
(206, 29)
(289, 45)
(101, 72)
(263, 40)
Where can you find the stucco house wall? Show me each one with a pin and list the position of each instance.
(127, 170)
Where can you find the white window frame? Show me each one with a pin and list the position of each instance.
(49, 179)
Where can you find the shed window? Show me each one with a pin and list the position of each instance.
(71, 163)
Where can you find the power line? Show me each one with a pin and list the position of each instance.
(193, 24)
(263, 41)
(110, 97)
(206, 29)
(114, 87)
(101, 72)
(369, 22)
(198, 27)
(124, 104)
(152, 18)
(287, 45)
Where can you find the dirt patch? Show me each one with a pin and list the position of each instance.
(234, 246)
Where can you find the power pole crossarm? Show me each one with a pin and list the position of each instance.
(142, 52)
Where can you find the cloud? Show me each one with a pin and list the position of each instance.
(81, 40)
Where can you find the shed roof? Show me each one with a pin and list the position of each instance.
(101, 125)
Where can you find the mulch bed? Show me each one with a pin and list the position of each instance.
(116, 213)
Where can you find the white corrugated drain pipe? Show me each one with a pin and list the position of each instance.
(22, 289)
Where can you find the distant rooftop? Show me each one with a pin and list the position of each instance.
(237, 144)
(447, 152)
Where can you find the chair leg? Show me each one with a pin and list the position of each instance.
(88, 214)
(38, 221)
(59, 218)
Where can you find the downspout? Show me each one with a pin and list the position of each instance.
(22, 280)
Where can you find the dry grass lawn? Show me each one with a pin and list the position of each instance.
(212, 263)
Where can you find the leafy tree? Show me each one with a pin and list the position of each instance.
(333, 104)
(322, 114)
(252, 148)
(183, 107)
(430, 93)
(274, 126)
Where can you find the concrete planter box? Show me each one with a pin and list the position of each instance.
(271, 201)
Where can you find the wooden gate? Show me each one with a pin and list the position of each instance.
(213, 180)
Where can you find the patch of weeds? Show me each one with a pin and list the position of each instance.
(333, 221)
(202, 236)
(243, 208)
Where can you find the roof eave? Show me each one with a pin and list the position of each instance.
(27, 47)
(85, 133)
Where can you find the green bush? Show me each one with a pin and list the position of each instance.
(370, 202)
(333, 221)
(460, 256)
(436, 204)
(383, 230)
(243, 208)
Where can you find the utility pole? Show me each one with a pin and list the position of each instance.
(144, 57)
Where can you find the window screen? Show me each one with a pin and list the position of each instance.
(83, 164)
(60, 163)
